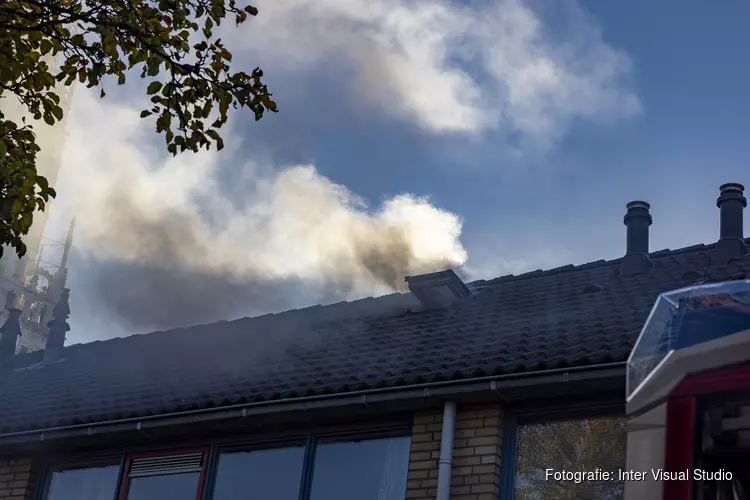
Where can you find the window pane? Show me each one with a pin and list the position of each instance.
(274, 474)
(364, 470)
(571, 446)
(167, 487)
(91, 483)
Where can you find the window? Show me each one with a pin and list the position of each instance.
(323, 469)
(570, 446)
(260, 474)
(164, 487)
(164, 477)
(375, 469)
(91, 483)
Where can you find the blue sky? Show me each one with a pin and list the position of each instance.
(533, 123)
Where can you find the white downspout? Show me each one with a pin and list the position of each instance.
(445, 463)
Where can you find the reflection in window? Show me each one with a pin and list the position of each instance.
(167, 487)
(366, 470)
(577, 446)
(260, 475)
(91, 483)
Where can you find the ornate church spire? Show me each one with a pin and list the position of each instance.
(61, 276)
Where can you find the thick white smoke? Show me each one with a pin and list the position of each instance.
(466, 66)
(170, 218)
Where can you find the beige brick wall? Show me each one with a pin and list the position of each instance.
(476, 454)
(17, 479)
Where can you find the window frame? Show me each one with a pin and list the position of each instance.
(49, 467)
(122, 492)
(515, 419)
(256, 445)
(323, 435)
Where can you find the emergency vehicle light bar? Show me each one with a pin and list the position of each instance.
(680, 324)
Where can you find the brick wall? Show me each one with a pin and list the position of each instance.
(476, 454)
(17, 479)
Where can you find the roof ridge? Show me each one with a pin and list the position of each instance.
(329, 315)
(568, 268)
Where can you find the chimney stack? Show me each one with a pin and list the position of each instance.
(731, 203)
(57, 329)
(10, 331)
(637, 220)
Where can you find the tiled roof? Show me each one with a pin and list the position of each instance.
(569, 316)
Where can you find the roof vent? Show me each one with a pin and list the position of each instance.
(438, 289)
(637, 220)
(731, 203)
(160, 465)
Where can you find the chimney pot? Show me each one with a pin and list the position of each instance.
(637, 220)
(10, 331)
(731, 204)
(10, 299)
(58, 327)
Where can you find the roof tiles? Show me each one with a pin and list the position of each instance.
(569, 316)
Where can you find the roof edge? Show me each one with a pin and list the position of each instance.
(441, 389)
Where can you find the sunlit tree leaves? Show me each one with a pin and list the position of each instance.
(169, 43)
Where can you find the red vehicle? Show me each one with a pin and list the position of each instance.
(688, 397)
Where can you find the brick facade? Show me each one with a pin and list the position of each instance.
(476, 454)
(17, 479)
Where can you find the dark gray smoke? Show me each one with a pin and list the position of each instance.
(147, 297)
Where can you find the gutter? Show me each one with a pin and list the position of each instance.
(441, 389)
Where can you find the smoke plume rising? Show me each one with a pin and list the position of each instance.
(169, 241)
(172, 247)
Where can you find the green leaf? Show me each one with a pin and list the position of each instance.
(27, 219)
(215, 136)
(153, 88)
(45, 46)
(145, 113)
